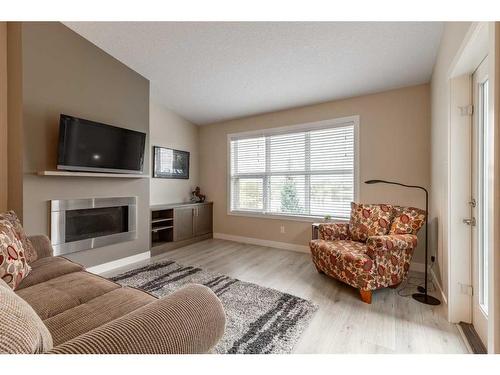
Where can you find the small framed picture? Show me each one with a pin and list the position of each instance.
(170, 163)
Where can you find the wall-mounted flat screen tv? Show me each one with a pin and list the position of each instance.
(86, 145)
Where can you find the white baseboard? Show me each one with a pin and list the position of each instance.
(109, 266)
(438, 287)
(260, 242)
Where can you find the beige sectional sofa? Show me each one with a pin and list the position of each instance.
(61, 308)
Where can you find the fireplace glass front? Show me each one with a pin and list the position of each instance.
(95, 222)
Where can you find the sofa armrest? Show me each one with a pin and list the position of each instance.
(191, 320)
(334, 231)
(42, 246)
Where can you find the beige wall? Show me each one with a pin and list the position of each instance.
(167, 129)
(3, 116)
(64, 73)
(15, 118)
(394, 145)
(453, 35)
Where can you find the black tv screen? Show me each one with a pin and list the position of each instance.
(92, 146)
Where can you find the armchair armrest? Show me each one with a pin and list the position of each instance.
(392, 243)
(191, 320)
(42, 245)
(334, 231)
(391, 255)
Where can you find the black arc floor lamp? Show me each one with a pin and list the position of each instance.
(422, 297)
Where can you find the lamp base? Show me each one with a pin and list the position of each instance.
(421, 289)
(425, 298)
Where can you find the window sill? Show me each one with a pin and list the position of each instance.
(304, 219)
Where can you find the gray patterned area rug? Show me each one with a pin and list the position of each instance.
(258, 319)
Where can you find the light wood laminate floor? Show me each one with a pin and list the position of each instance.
(343, 323)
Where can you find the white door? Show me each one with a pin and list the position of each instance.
(480, 201)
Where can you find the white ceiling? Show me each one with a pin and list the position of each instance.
(212, 71)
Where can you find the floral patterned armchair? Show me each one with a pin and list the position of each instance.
(373, 250)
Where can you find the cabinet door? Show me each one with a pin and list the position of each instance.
(203, 219)
(183, 223)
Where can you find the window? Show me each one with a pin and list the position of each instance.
(303, 171)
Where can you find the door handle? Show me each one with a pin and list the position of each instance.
(471, 221)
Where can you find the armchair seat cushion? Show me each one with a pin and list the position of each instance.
(344, 260)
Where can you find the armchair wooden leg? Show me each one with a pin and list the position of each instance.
(366, 295)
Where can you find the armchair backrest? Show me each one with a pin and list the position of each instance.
(407, 220)
(369, 220)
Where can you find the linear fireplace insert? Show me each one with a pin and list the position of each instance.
(81, 224)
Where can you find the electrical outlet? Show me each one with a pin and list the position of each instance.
(282, 229)
(433, 258)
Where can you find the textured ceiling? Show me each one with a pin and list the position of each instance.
(213, 71)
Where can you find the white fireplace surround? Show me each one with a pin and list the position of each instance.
(59, 213)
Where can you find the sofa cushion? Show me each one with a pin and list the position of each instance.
(54, 296)
(48, 268)
(13, 265)
(29, 250)
(96, 312)
(22, 330)
(369, 220)
(407, 220)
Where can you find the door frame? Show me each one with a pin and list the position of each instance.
(479, 143)
(481, 40)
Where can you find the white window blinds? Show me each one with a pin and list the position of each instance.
(294, 173)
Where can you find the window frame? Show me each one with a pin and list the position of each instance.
(317, 125)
